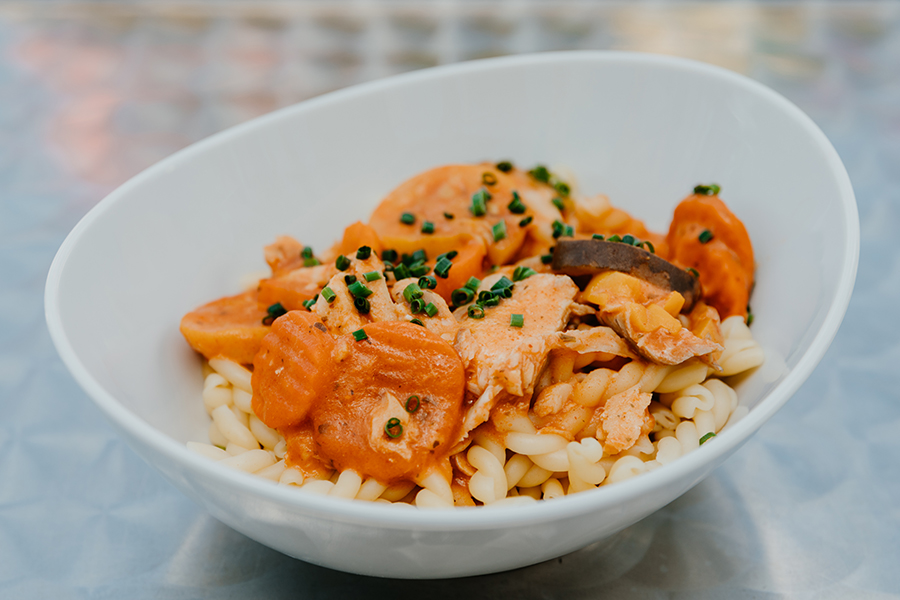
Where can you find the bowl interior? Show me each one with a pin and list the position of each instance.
(641, 129)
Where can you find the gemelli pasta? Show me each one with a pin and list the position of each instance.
(491, 337)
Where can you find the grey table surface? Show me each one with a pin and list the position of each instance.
(91, 93)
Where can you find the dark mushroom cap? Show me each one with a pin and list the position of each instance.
(589, 257)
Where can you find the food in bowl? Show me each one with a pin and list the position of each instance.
(490, 336)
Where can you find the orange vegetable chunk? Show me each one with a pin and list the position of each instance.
(229, 327)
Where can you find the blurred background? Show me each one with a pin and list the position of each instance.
(91, 93)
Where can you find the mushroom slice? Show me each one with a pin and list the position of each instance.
(589, 257)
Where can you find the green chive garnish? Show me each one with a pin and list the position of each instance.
(411, 292)
(307, 252)
(597, 236)
(427, 283)
(328, 294)
(613, 238)
(517, 321)
(705, 236)
(448, 255)
(412, 404)
(417, 256)
(504, 166)
(473, 283)
(372, 276)
(342, 263)
(516, 206)
(559, 229)
(546, 259)
(393, 428)
(427, 227)
(311, 262)
(349, 279)
(389, 255)
(479, 202)
(401, 271)
(308, 304)
(416, 305)
(419, 270)
(693, 272)
(526, 221)
(274, 311)
(523, 273)
(407, 218)
(648, 245)
(749, 316)
(540, 173)
(628, 239)
(360, 335)
(359, 290)
(364, 253)
(558, 204)
(475, 312)
(461, 296)
(499, 231)
(431, 309)
(442, 268)
(448, 216)
(488, 178)
(417, 322)
(362, 305)
(707, 437)
(707, 190)
(562, 188)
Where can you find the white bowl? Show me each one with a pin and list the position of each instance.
(643, 129)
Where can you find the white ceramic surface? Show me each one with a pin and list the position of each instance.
(643, 129)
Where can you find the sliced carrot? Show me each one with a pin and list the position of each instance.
(229, 328)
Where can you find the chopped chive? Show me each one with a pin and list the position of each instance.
(274, 311)
(705, 236)
(487, 298)
(569, 232)
(407, 218)
(707, 437)
(372, 276)
(342, 263)
(311, 262)
(499, 231)
(558, 203)
(597, 236)
(504, 166)
(442, 268)
(693, 272)
(419, 270)
(540, 173)
(427, 227)
(516, 206)
(475, 312)
(431, 309)
(473, 283)
(416, 305)
(427, 283)
(448, 255)
(389, 255)
(412, 404)
(613, 238)
(362, 305)
(349, 279)
(517, 320)
(393, 428)
(401, 271)
(628, 239)
(523, 273)
(488, 178)
(707, 190)
(649, 246)
(546, 259)
(411, 292)
(307, 252)
(417, 256)
(563, 188)
(359, 290)
(560, 229)
(417, 322)
(364, 253)
(749, 316)
(308, 304)
(328, 294)
(502, 283)
(479, 202)
(449, 216)
(526, 221)
(360, 335)
(461, 296)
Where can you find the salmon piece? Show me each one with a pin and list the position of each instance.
(595, 339)
(293, 288)
(229, 327)
(624, 419)
(340, 315)
(443, 323)
(502, 360)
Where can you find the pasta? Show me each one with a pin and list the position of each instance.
(601, 401)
